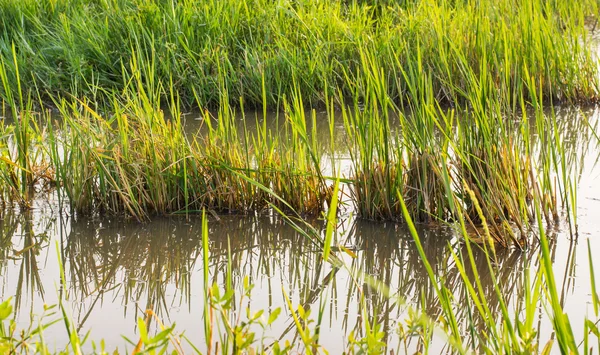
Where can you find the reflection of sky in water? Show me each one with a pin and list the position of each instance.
(115, 269)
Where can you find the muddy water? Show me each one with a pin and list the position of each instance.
(115, 269)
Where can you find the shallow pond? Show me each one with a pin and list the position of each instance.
(116, 269)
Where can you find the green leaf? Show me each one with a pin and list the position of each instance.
(228, 295)
(331, 224)
(592, 327)
(273, 316)
(215, 292)
(5, 309)
(162, 336)
(595, 301)
(143, 331)
(128, 340)
(301, 312)
(257, 315)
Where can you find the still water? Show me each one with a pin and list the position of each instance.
(115, 269)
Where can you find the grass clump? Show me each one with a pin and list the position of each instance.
(474, 161)
(140, 161)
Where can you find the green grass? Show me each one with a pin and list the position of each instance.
(119, 83)
(135, 158)
(249, 47)
(444, 106)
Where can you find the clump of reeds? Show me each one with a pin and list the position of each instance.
(491, 179)
(270, 168)
(140, 162)
(473, 162)
(22, 164)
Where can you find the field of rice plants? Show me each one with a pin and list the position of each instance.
(472, 116)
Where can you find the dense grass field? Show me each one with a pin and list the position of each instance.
(318, 49)
(447, 107)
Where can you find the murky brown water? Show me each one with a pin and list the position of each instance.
(115, 269)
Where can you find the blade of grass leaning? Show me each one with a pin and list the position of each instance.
(331, 218)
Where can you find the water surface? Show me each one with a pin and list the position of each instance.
(115, 269)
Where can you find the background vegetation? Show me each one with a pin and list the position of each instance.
(200, 48)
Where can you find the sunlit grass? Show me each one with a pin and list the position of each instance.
(79, 48)
(443, 111)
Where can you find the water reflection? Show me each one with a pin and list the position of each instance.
(158, 266)
(22, 242)
(112, 264)
(389, 255)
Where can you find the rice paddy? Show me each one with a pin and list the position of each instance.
(472, 117)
